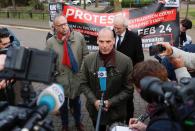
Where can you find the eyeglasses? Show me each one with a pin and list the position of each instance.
(63, 24)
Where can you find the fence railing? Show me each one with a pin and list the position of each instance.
(25, 15)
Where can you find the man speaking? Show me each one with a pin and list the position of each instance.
(118, 68)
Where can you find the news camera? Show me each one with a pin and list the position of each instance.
(176, 100)
(29, 64)
(32, 117)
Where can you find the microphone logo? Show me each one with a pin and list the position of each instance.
(102, 74)
(58, 90)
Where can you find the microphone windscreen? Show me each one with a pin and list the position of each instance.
(52, 97)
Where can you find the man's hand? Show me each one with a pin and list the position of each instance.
(2, 61)
(97, 104)
(177, 62)
(137, 125)
(107, 105)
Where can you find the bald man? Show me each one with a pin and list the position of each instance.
(71, 49)
(119, 88)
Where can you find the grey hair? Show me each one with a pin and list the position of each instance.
(120, 19)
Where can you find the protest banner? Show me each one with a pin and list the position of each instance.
(153, 23)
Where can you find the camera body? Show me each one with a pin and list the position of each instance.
(14, 118)
(156, 49)
(176, 100)
(29, 64)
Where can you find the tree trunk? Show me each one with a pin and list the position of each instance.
(117, 6)
(84, 7)
(96, 3)
(14, 4)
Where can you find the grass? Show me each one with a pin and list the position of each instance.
(191, 14)
(25, 15)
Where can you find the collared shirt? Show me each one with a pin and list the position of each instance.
(122, 37)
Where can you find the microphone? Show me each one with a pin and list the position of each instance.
(102, 75)
(50, 99)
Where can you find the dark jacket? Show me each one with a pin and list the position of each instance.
(118, 86)
(132, 47)
(164, 125)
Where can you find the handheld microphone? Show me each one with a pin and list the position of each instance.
(50, 99)
(102, 74)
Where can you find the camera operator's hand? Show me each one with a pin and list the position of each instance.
(5, 83)
(162, 1)
(177, 62)
(136, 125)
(168, 51)
(2, 61)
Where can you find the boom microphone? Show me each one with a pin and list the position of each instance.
(50, 99)
(102, 74)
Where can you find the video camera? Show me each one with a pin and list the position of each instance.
(178, 100)
(32, 116)
(14, 118)
(29, 64)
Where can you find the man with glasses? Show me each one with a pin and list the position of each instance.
(71, 49)
(129, 44)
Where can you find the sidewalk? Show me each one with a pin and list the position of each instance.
(28, 23)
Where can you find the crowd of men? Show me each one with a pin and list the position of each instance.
(120, 52)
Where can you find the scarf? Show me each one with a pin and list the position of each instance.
(68, 56)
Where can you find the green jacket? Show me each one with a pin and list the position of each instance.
(65, 76)
(118, 87)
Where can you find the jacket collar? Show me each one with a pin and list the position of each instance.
(110, 63)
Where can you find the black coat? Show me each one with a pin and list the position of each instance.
(132, 47)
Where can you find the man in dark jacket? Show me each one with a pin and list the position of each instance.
(118, 87)
(129, 44)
